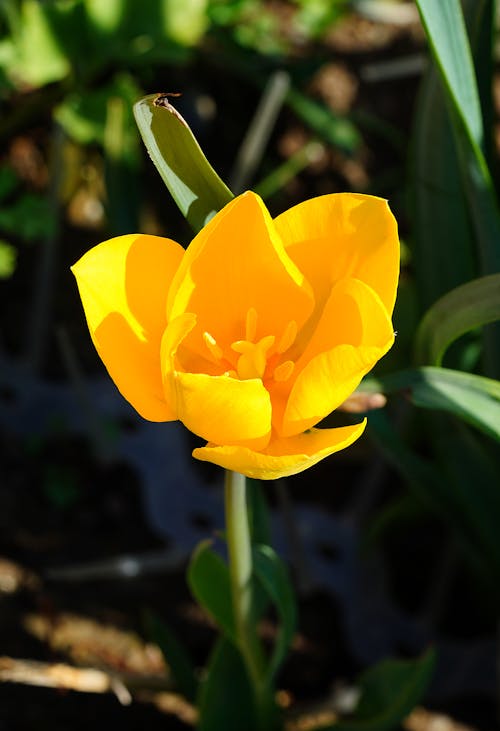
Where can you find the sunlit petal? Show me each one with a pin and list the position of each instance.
(342, 235)
(353, 333)
(223, 409)
(282, 457)
(124, 285)
(235, 266)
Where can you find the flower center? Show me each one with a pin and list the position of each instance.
(257, 358)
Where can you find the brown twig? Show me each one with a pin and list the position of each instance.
(92, 680)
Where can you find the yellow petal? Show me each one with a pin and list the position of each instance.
(353, 333)
(283, 457)
(223, 409)
(235, 266)
(344, 235)
(123, 285)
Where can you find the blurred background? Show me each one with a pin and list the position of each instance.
(393, 544)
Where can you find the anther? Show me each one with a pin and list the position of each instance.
(284, 371)
(211, 343)
(288, 337)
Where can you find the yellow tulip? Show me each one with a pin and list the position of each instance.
(256, 332)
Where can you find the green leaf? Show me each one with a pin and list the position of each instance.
(472, 398)
(445, 28)
(258, 512)
(389, 691)
(8, 259)
(472, 305)
(175, 655)
(273, 576)
(30, 217)
(338, 131)
(455, 483)
(443, 241)
(186, 20)
(39, 57)
(84, 115)
(193, 183)
(208, 579)
(226, 699)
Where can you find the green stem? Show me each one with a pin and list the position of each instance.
(240, 569)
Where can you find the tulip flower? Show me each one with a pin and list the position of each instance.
(255, 332)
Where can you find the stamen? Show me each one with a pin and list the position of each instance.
(253, 359)
(211, 343)
(284, 371)
(231, 374)
(288, 337)
(251, 324)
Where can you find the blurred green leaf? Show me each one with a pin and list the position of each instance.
(389, 691)
(258, 512)
(208, 579)
(30, 217)
(8, 259)
(472, 398)
(107, 16)
(456, 482)
(472, 305)
(83, 115)
(226, 699)
(317, 16)
(336, 130)
(8, 181)
(470, 486)
(38, 57)
(175, 655)
(186, 20)
(273, 576)
(193, 183)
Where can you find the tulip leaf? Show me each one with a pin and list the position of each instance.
(455, 483)
(226, 700)
(208, 579)
(174, 653)
(389, 691)
(472, 305)
(443, 241)
(273, 576)
(474, 399)
(193, 183)
(445, 28)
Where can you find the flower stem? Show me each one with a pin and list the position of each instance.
(240, 568)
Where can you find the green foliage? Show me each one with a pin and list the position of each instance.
(193, 183)
(208, 579)
(273, 576)
(467, 307)
(8, 257)
(474, 399)
(226, 699)
(176, 656)
(389, 691)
